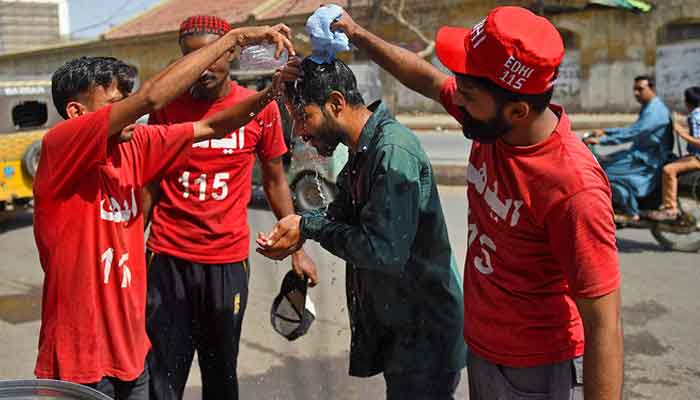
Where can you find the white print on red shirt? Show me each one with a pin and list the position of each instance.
(107, 258)
(228, 143)
(500, 210)
(219, 186)
(234, 141)
(116, 213)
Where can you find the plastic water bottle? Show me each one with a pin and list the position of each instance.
(261, 57)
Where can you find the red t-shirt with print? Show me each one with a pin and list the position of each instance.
(88, 228)
(201, 215)
(541, 233)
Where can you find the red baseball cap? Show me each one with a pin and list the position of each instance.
(512, 47)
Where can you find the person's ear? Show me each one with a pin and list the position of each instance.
(517, 112)
(336, 103)
(75, 109)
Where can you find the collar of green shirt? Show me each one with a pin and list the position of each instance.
(380, 113)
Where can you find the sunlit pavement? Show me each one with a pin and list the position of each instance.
(661, 317)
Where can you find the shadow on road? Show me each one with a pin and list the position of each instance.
(10, 221)
(634, 246)
(307, 379)
(319, 378)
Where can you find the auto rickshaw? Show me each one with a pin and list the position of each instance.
(26, 113)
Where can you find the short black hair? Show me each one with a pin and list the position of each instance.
(650, 80)
(81, 74)
(319, 80)
(692, 96)
(537, 102)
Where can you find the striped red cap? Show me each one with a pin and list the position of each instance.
(204, 24)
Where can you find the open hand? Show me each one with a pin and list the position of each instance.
(279, 35)
(284, 239)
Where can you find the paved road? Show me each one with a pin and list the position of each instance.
(449, 147)
(446, 147)
(661, 317)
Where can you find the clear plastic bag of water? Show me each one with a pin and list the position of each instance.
(261, 57)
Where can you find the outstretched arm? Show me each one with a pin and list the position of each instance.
(226, 121)
(176, 78)
(648, 122)
(411, 70)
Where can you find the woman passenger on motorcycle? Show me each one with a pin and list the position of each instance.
(669, 184)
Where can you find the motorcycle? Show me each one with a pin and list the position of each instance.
(681, 234)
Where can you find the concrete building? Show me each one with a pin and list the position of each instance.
(606, 46)
(28, 24)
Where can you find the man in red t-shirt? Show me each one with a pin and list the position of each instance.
(541, 265)
(88, 223)
(199, 238)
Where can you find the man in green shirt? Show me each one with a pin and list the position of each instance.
(404, 292)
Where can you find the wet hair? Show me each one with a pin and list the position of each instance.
(537, 102)
(318, 81)
(650, 80)
(692, 96)
(82, 74)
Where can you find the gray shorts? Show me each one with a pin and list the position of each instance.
(561, 381)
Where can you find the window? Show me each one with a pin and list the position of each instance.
(29, 114)
(678, 32)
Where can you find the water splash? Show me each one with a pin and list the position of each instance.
(316, 164)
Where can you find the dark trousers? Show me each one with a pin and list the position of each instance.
(124, 390)
(194, 307)
(488, 381)
(424, 385)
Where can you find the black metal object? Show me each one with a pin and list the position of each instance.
(47, 389)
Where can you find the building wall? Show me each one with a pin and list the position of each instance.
(606, 48)
(614, 46)
(149, 55)
(26, 24)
